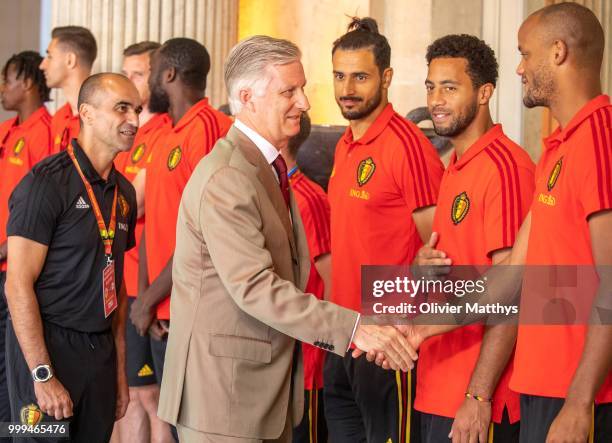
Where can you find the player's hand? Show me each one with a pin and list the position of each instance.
(388, 341)
(431, 261)
(53, 399)
(141, 316)
(571, 425)
(471, 424)
(123, 395)
(413, 334)
(158, 329)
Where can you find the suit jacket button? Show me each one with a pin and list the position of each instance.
(331, 347)
(318, 344)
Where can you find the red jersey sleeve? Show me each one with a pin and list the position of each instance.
(417, 168)
(315, 213)
(507, 197)
(595, 170)
(40, 143)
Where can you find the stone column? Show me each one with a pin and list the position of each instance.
(119, 23)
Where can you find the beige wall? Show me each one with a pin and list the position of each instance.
(408, 47)
(19, 31)
(456, 17)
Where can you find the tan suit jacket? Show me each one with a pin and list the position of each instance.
(237, 306)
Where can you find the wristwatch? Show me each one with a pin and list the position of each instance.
(42, 373)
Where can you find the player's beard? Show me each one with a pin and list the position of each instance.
(159, 102)
(540, 88)
(368, 108)
(460, 122)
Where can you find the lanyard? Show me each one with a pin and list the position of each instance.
(65, 141)
(108, 235)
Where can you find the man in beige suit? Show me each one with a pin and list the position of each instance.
(240, 265)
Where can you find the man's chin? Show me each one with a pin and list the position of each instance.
(353, 115)
(529, 102)
(124, 147)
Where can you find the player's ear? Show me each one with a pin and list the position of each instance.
(170, 74)
(71, 60)
(245, 96)
(387, 76)
(485, 93)
(559, 52)
(86, 113)
(28, 84)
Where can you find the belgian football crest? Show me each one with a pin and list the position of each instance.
(138, 153)
(174, 158)
(18, 146)
(30, 415)
(124, 207)
(461, 206)
(554, 175)
(365, 171)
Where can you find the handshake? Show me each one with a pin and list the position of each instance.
(391, 347)
(395, 347)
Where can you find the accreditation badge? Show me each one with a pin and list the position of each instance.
(109, 292)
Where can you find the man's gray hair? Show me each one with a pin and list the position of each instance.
(247, 61)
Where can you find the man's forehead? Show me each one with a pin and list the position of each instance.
(289, 74)
(58, 46)
(140, 61)
(528, 30)
(114, 92)
(11, 69)
(137, 58)
(52, 45)
(447, 68)
(354, 58)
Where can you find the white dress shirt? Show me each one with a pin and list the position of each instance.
(267, 149)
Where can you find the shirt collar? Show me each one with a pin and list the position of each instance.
(88, 170)
(34, 118)
(66, 112)
(560, 135)
(476, 148)
(191, 114)
(375, 129)
(267, 149)
(154, 122)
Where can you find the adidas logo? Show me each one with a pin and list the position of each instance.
(81, 203)
(145, 371)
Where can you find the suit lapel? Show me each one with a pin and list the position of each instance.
(303, 264)
(267, 178)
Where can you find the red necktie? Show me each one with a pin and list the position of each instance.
(281, 170)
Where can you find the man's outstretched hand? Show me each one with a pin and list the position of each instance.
(388, 342)
(413, 333)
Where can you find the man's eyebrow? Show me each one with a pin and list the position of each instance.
(442, 82)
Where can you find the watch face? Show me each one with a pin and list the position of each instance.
(42, 373)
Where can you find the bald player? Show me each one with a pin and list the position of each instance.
(71, 220)
(562, 50)
(563, 372)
